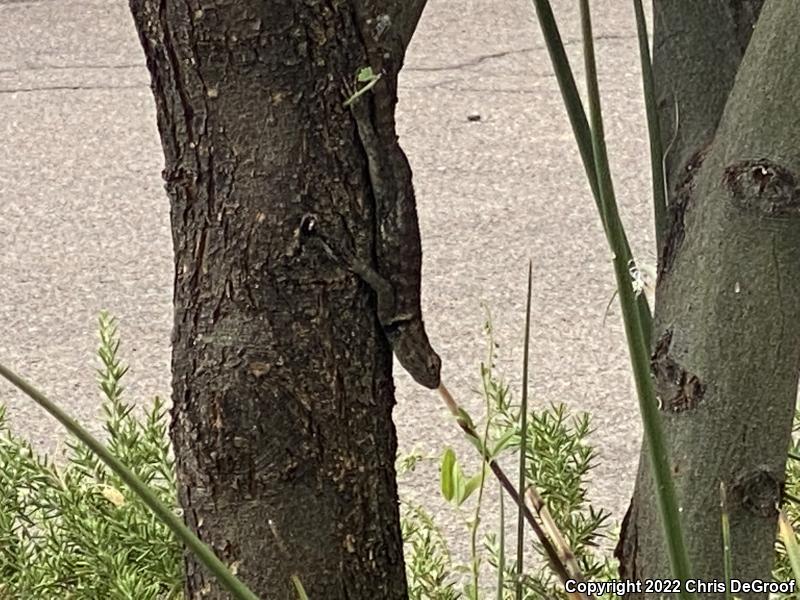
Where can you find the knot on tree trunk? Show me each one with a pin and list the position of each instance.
(758, 491)
(765, 186)
(678, 390)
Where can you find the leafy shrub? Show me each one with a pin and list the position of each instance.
(783, 569)
(559, 459)
(75, 531)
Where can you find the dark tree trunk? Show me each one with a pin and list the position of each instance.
(282, 380)
(727, 318)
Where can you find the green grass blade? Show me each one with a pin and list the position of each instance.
(298, 588)
(637, 341)
(238, 589)
(501, 552)
(583, 135)
(653, 128)
(726, 541)
(789, 540)
(523, 418)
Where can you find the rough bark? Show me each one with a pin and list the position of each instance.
(727, 320)
(282, 385)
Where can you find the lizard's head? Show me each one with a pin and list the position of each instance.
(412, 348)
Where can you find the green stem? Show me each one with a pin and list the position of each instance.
(637, 342)
(583, 135)
(523, 410)
(501, 556)
(726, 541)
(653, 128)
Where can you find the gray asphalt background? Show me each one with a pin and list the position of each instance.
(84, 218)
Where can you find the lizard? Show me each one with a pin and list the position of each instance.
(396, 280)
(394, 273)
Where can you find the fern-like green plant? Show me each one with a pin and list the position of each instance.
(76, 531)
(559, 460)
(430, 570)
(784, 570)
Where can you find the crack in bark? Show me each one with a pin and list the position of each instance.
(626, 549)
(779, 285)
(683, 198)
(745, 15)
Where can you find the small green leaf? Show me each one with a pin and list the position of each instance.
(503, 442)
(464, 418)
(446, 478)
(365, 75)
(476, 441)
(459, 484)
(472, 484)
